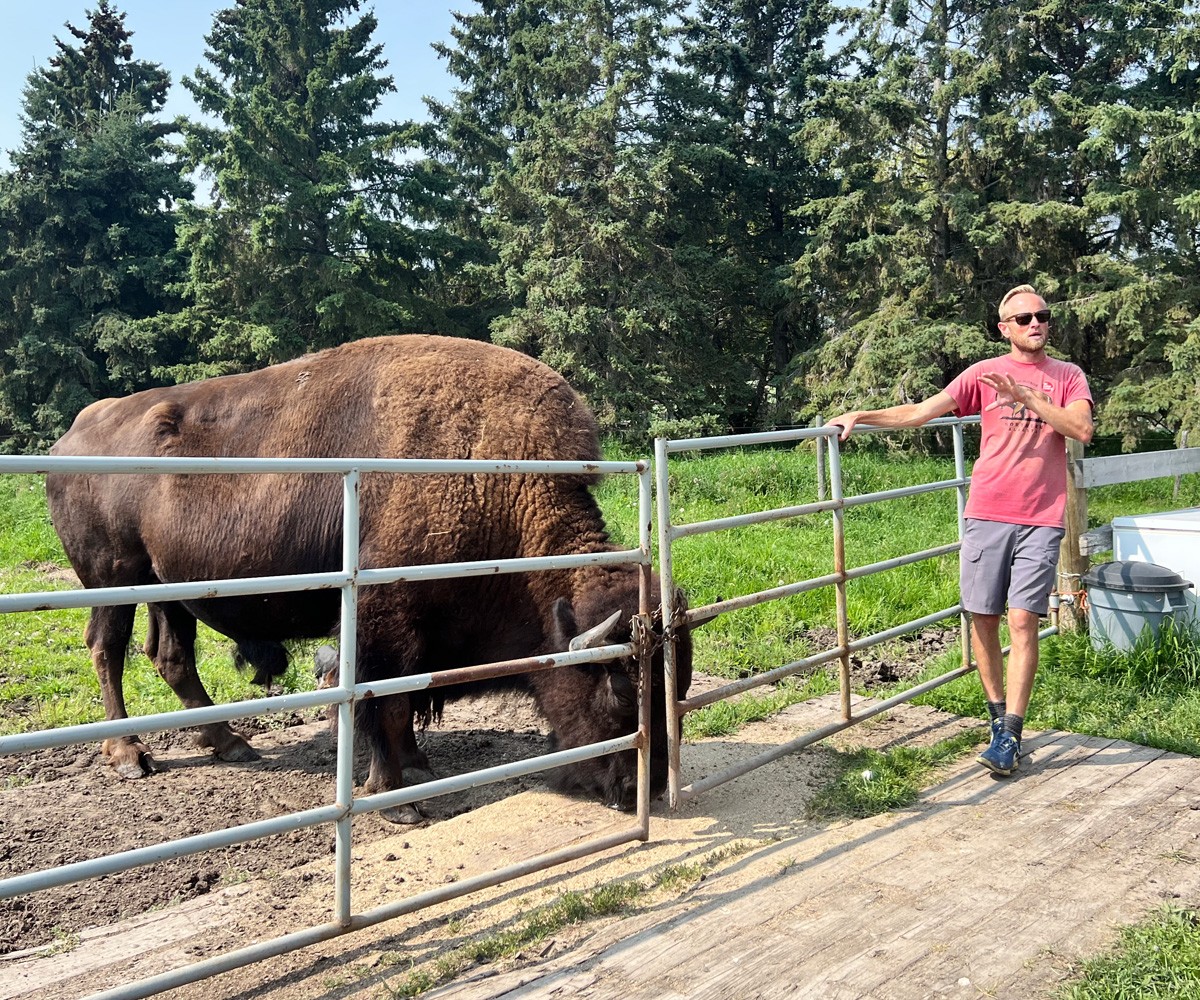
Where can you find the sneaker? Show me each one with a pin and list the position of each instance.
(1004, 754)
(997, 724)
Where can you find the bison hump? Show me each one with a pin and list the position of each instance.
(163, 420)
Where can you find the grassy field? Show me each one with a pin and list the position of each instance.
(47, 679)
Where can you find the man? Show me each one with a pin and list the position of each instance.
(1029, 403)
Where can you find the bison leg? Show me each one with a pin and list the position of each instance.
(107, 636)
(171, 644)
(389, 725)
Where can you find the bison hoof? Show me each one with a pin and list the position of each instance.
(130, 770)
(238, 753)
(225, 744)
(406, 814)
(130, 760)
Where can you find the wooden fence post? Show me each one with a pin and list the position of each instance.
(1182, 444)
(1072, 564)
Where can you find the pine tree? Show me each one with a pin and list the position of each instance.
(982, 146)
(896, 252)
(749, 74)
(301, 246)
(1120, 150)
(87, 226)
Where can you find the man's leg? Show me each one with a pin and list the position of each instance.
(1003, 753)
(1022, 658)
(985, 641)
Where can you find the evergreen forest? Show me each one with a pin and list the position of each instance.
(710, 215)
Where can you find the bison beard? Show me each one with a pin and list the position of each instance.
(390, 397)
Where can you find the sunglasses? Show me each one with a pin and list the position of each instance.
(1024, 319)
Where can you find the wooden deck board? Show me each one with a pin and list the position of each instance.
(985, 887)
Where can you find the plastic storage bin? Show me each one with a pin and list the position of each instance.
(1125, 598)
(1170, 538)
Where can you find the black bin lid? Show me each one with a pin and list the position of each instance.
(1135, 577)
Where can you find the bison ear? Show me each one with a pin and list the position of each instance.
(563, 616)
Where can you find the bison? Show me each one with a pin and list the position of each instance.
(394, 397)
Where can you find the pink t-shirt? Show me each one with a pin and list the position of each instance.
(1021, 474)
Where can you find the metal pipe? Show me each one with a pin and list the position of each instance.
(790, 669)
(58, 600)
(185, 718)
(644, 632)
(758, 680)
(839, 569)
(745, 520)
(816, 735)
(110, 864)
(666, 574)
(960, 473)
(126, 860)
(779, 437)
(347, 666)
(489, 775)
(788, 590)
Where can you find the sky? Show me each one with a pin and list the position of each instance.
(171, 32)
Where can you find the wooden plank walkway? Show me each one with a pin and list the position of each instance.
(987, 887)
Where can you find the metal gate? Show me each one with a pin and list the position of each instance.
(348, 580)
(836, 504)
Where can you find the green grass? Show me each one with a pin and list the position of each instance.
(726, 717)
(46, 674)
(1147, 696)
(1150, 697)
(1157, 959)
(873, 782)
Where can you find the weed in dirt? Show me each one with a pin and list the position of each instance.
(677, 878)
(571, 908)
(1157, 959)
(872, 782)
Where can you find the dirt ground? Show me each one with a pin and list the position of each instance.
(66, 805)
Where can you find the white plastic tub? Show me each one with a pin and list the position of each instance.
(1170, 539)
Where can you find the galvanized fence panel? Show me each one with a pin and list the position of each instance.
(349, 691)
(837, 504)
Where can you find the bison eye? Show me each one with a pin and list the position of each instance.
(622, 690)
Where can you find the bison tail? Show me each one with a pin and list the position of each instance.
(269, 659)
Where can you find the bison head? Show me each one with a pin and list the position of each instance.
(599, 701)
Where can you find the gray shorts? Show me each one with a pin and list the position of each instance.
(1013, 562)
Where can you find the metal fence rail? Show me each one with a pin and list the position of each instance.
(348, 580)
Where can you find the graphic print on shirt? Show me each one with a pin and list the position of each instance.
(1026, 420)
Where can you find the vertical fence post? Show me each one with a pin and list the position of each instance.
(667, 586)
(347, 642)
(1183, 436)
(821, 488)
(960, 473)
(839, 568)
(644, 634)
(1071, 564)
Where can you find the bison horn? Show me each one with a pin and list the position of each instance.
(596, 635)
